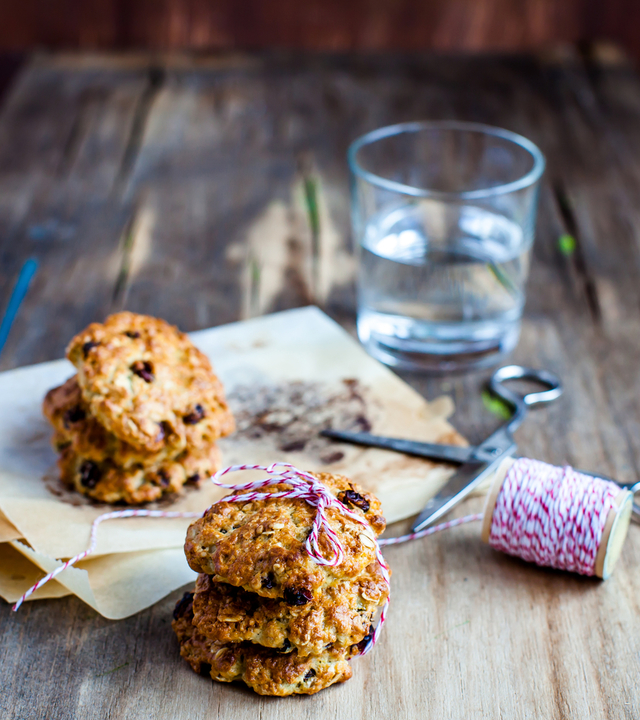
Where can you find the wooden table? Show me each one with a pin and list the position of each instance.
(185, 188)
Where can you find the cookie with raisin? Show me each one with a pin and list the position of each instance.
(108, 482)
(340, 618)
(259, 545)
(67, 411)
(144, 381)
(266, 671)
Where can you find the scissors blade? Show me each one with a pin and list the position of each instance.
(459, 486)
(434, 451)
(492, 451)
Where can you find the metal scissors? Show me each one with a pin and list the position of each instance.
(476, 462)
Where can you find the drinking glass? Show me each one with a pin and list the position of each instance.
(443, 218)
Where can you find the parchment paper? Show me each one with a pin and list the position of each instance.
(18, 574)
(7, 530)
(287, 376)
(120, 585)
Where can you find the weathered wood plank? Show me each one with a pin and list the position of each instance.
(62, 141)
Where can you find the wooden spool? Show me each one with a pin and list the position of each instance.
(613, 535)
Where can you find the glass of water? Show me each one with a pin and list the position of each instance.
(443, 218)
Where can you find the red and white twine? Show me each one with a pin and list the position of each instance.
(93, 538)
(552, 516)
(544, 514)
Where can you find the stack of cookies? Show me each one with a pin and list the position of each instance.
(263, 610)
(142, 415)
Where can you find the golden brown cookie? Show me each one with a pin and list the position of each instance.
(67, 411)
(145, 382)
(266, 671)
(341, 617)
(107, 482)
(260, 545)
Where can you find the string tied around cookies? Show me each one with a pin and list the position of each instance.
(305, 486)
(555, 517)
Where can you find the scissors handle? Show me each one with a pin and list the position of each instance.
(519, 402)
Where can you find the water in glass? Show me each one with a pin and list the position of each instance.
(441, 279)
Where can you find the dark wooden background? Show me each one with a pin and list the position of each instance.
(336, 25)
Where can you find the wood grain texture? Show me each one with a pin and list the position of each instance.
(186, 188)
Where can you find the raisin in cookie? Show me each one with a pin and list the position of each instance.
(260, 545)
(266, 671)
(145, 382)
(341, 617)
(108, 482)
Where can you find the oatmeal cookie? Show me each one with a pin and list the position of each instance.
(67, 411)
(107, 482)
(266, 671)
(260, 545)
(341, 617)
(145, 382)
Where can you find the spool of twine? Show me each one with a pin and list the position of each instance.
(556, 517)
